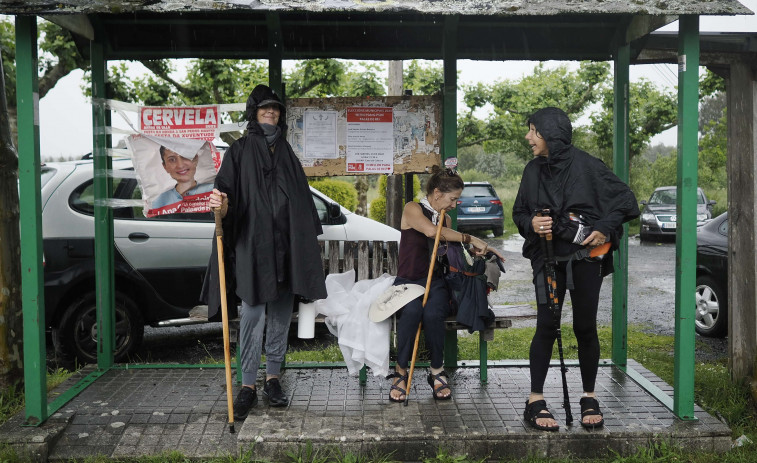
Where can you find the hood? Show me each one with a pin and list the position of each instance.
(555, 127)
(262, 95)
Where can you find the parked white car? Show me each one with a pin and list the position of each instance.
(159, 262)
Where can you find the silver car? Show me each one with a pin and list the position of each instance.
(159, 262)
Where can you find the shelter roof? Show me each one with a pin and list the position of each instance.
(360, 29)
(460, 7)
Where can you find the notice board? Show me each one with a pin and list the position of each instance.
(354, 136)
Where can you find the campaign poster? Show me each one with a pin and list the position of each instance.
(370, 140)
(174, 157)
(174, 174)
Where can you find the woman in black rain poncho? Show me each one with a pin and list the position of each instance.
(588, 205)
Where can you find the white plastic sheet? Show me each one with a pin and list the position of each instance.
(346, 309)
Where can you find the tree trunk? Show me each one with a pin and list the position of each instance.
(11, 319)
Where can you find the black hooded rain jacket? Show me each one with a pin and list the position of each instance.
(569, 180)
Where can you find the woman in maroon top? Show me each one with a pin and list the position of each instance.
(418, 228)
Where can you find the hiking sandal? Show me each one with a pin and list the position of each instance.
(444, 385)
(400, 379)
(538, 410)
(590, 407)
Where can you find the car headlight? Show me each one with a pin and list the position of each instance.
(647, 217)
(701, 217)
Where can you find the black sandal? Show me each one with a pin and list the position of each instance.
(403, 392)
(590, 407)
(538, 410)
(444, 385)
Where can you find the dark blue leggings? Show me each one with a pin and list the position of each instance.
(587, 280)
(433, 315)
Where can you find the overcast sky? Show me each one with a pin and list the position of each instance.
(66, 116)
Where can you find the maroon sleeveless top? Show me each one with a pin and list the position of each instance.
(414, 254)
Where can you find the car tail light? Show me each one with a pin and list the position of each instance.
(496, 201)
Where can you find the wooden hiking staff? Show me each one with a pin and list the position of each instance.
(224, 317)
(425, 298)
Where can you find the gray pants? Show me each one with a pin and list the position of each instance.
(253, 319)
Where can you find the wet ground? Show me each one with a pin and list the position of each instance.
(651, 303)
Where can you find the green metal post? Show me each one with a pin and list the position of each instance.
(103, 188)
(30, 221)
(449, 138)
(275, 53)
(621, 158)
(483, 355)
(686, 231)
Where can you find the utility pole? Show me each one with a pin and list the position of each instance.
(394, 200)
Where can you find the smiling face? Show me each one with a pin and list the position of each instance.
(537, 143)
(269, 114)
(178, 167)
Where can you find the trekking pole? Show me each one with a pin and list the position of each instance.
(224, 318)
(554, 305)
(425, 298)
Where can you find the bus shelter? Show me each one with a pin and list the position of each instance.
(352, 29)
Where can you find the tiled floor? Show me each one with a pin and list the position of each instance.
(148, 411)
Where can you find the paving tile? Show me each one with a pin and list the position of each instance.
(128, 413)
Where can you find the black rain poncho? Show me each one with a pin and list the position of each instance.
(569, 180)
(271, 228)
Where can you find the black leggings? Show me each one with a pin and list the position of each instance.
(587, 280)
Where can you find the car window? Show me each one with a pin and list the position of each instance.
(666, 197)
(472, 191)
(322, 208)
(723, 228)
(82, 199)
(46, 173)
(700, 197)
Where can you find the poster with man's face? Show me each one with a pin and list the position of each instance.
(175, 174)
(174, 158)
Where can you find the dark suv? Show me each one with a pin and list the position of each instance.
(479, 208)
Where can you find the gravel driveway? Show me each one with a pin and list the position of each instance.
(651, 289)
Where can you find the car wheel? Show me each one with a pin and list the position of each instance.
(497, 231)
(76, 335)
(711, 308)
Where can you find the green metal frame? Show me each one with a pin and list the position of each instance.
(449, 138)
(37, 408)
(621, 157)
(30, 221)
(686, 231)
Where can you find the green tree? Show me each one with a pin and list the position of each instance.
(514, 101)
(423, 78)
(57, 58)
(651, 111)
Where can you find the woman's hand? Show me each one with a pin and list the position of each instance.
(542, 224)
(480, 248)
(597, 238)
(218, 200)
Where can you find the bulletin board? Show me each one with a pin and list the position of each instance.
(415, 129)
